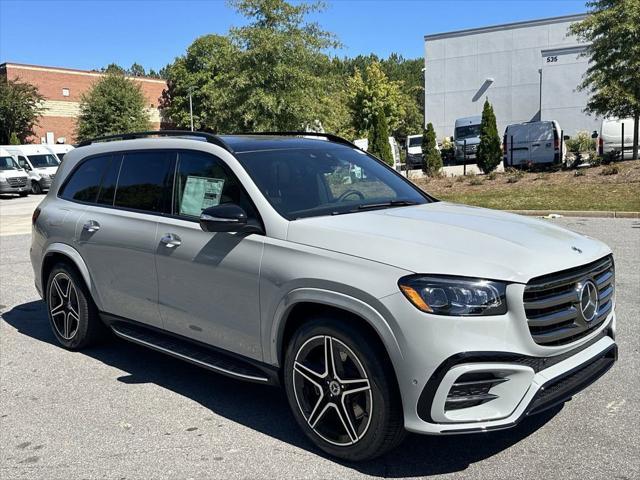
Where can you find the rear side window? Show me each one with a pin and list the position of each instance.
(144, 181)
(109, 182)
(84, 182)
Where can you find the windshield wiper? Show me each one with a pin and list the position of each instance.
(378, 206)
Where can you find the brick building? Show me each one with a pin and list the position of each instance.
(62, 89)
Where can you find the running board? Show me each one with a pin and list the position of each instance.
(197, 354)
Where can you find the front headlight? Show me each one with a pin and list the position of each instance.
(456, 296)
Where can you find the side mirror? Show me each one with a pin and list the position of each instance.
(227, 217)
(594, 134)
(566, 137)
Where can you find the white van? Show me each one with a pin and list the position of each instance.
(610, 137)
(363, 144)
(60, 149)
(13, 179)
(537, 143)
(40, 163)
(466, 135)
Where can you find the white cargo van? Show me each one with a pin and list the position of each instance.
(60, 149)
(40, 163)
(466, 135)
(533, 143)
(610, 137)
(13, 179)
(363, 144)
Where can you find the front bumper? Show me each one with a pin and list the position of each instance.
(8, 188)
(529, 377)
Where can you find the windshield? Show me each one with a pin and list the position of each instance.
(415, 141)
(44, 160)
(468, 131)
(333, 179)
(8, 163)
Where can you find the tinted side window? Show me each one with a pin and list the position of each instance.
(84, 183)
(143, 181)
(109, 181)
(203, 181)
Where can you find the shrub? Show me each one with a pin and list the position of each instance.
(578, 173)
(489, 154)
(492, 176)
(460, 179)
(610, 170)
(379, 139)
(514, 174)
(581, 143)
(475, 181)
(432, 161)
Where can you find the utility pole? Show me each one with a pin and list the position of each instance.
(191, 107)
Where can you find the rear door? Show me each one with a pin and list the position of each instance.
(208, 282)
(517, 145)
(541, 139)
(116, 234)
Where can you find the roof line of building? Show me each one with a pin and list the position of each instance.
(73, 71)
(507, 26)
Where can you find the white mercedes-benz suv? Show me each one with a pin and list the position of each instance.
(300, 260)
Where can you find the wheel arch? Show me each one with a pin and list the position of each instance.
(295, 308)
(61, 252)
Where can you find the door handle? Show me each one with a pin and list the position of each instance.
(171, 240)
(535, 144)
(91, 226)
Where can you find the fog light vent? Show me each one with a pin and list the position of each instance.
(472, 389)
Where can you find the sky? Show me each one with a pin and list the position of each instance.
(89, 34)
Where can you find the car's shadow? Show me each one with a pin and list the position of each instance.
(238, 401)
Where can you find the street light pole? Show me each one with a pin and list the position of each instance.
(191, 109)
(540, 100)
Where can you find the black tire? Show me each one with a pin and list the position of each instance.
(376, 419)
(23, 194)
(36, 189)
(63, 309)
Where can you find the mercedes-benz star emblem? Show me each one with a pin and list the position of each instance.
(588, 297)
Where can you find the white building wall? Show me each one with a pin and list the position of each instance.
(501, 63)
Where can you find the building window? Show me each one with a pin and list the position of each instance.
(65, 92)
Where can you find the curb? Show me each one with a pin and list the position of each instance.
(577, 213)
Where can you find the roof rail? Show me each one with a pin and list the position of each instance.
(328, 136)
(208, 137)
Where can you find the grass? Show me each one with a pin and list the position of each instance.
(598, 188)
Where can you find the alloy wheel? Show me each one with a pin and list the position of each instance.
(64, 306)
(332, 390)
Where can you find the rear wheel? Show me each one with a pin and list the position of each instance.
(72, 314)
(342, 390)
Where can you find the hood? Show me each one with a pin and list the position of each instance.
(450, 239)
(12, 173)
(47, 170)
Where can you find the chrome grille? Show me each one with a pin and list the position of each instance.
(17, 181)
(552, 302)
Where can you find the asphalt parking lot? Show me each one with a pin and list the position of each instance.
(120, 411)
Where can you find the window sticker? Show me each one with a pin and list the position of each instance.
(200, 193)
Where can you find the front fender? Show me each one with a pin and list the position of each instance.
(379, 322)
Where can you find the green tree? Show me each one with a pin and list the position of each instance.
(208, 72)
(489, 152)
(613, 30)
(378, 138)
(279, 85)
(371, 92)
(432, 161)
(20, 108)
(114, 104)
(136, 70)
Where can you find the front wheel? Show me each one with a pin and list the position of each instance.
(342, 390)
(36, 189)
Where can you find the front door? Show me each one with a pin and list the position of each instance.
(208, 282)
